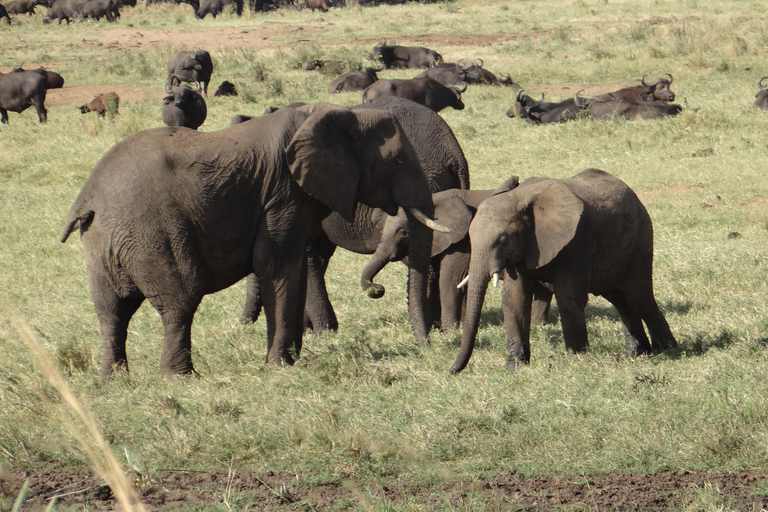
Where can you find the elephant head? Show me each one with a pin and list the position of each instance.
(525, 228)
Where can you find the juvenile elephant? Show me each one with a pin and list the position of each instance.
(585, 234)
(171, 215)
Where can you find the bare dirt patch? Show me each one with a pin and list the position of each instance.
(172, 490)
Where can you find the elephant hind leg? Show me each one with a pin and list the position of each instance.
(642, 300)
(632, 325)
(114, 314)
(252, 306)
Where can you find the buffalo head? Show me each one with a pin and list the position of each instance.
(660, 88)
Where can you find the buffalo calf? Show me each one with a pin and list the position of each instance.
(226, 88)
(101, 104)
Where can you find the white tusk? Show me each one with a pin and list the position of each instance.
(495, 279)
(463, 283)
(421, 217)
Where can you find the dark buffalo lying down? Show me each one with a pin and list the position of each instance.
(540, 111)
(226, 88)
(601, 109)
(101, 104)
(19, 91)
(658, 90)
(449, 74)
(425, 91)
(761, 98)
(405, 56)
(354, 81)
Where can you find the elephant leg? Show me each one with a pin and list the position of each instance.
(176, 358)
(571, 296)
(114, 314)
(319, 314)
(542, 299)
(3, 116)
(632, 325)
(252, 306)
(641, 298)
(516, 298)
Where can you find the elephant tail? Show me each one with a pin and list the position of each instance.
(84, 217)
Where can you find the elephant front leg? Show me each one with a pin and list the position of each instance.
(516, 300)
(319, 311)
(632, 325)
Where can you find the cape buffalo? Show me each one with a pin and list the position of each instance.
(19, 91)
(184, 107)
(405, 56)
(451, 74)
(323, 5)
(426, 91)
(98, 9)
(761, 98)
(354, 81)
(602, 109)
(655, 91)
(540, 111)
(53, 80)
(101, 104)
(226, 88)
(63, 10)
(193, 67)
(4, 14)
(214, 8)
(22, 6)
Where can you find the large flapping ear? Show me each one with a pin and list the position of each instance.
(556, 213)
(506, 185)
(453, 213)
(323, 159)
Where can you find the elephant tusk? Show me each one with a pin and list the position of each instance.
(495, 279)
(463, 283)
(427, 221)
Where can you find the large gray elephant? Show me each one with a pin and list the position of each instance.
(444, 166)
(172, 214)
(585, 234)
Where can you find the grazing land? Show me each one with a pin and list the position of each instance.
(367, 419)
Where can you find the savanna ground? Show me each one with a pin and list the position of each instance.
(367, 419)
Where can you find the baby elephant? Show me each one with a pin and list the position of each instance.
(184, 107)
(585, 234)
(101, 104)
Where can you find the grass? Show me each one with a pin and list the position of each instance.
(366, 403)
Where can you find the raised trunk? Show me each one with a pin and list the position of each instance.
(419, 252)
(476, 288)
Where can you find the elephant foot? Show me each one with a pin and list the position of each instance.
(191, 372)
(375, 291)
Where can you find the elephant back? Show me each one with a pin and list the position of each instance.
(437, 149)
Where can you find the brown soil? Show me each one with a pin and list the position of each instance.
(172, 490)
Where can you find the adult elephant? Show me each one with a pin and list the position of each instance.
(585, 234)
(172, 214)
(444, 167)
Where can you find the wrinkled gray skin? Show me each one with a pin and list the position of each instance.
(170, 215)
(184, 107)
(190, 67)
(19, 91)
(101, 104)
(425, 91)
(445, 167)
(454, 208)
(354, 81)
(585, 234)
(761, 98)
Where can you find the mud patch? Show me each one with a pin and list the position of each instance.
(172, 490)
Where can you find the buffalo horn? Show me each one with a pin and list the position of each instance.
(459, 64)
(517, 98)
(670, 78)
(760, 84)
(542, 98)
(167, 88)
(199, 87)
(577, 100)
(464, 89)
(480, 61)
(642, 81)
(431, 224)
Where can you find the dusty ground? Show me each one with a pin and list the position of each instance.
(172, 490)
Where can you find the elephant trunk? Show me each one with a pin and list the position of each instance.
(419, 253)
(374, 266)
(478, 283)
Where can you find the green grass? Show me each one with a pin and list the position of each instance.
(366, 403)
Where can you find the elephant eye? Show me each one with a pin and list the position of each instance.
(500, 241)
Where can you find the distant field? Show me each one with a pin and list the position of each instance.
(367, 419)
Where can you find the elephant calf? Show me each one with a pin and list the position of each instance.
(585, 234)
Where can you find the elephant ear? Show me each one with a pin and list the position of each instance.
(506, 185)
(556, 213)
(323, 159)
(453, 213)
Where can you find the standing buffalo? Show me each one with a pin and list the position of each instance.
(426, 91)
(323, 5)
(193, 67)
(19, 91)
(354, 81)
(4, 14)
(405, 56)
(53, 80)
(184, 107)
(214, 8)
(98, 9)
(101, 104)
(63, 10)
(22, 6)
(761, 98)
